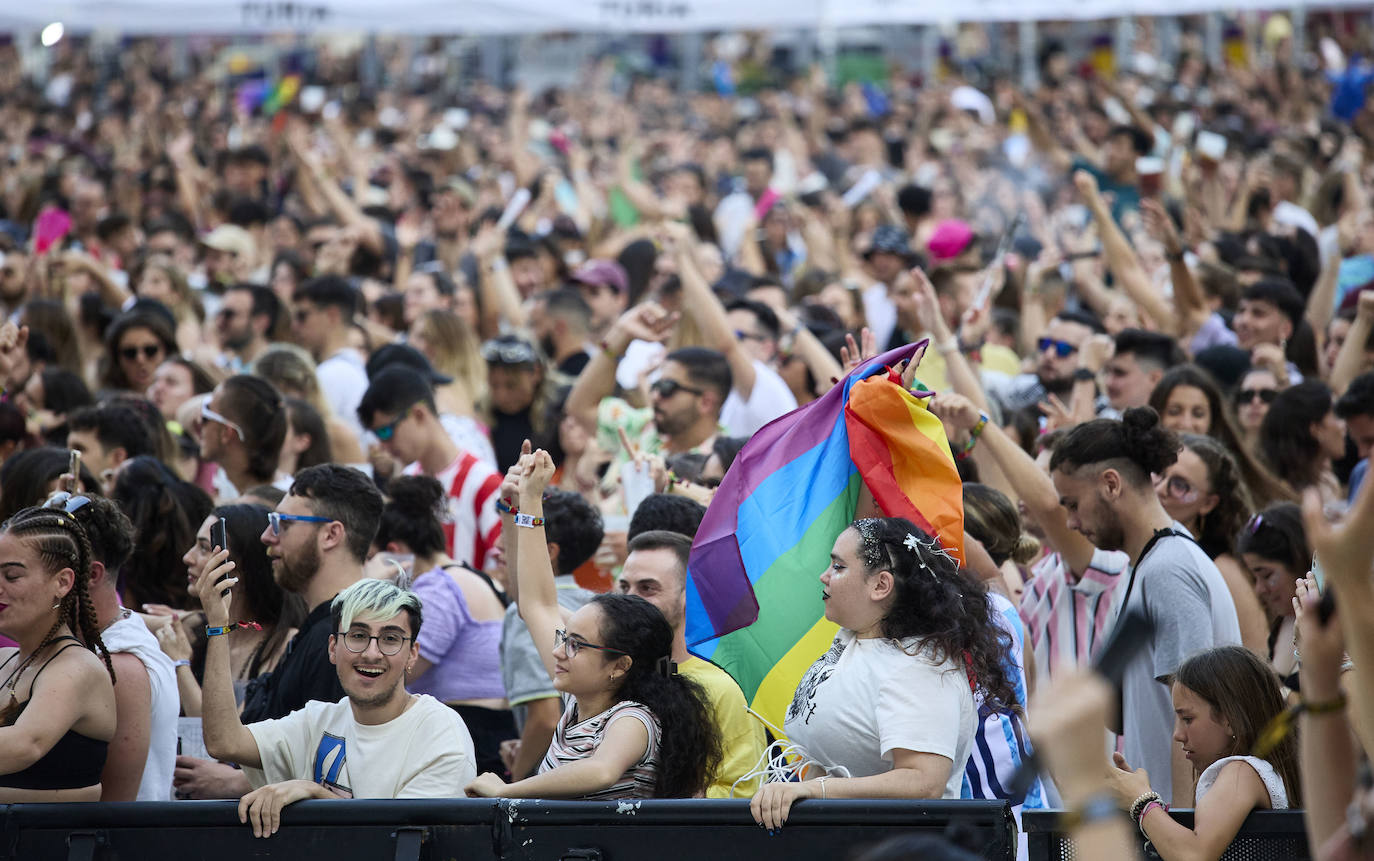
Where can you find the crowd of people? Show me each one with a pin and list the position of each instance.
(284, 380)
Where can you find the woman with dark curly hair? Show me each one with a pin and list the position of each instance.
(1204, 491)
(1189, 400)
(890, 710)
(633, 727)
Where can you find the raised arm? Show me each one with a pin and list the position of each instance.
(702, 306)
(538, 596)
(226, 738)
(646, 322)
(1189, 301)
(1121, 257)
(1350, 359)
(500, 296)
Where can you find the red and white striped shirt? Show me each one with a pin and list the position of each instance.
(473, 525)
(1067, 622)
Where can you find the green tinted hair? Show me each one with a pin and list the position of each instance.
(376, 600)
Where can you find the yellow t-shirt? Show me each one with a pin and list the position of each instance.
(741, 735)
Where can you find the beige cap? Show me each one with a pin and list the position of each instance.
(232, 238)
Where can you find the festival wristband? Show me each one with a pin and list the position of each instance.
(217, 630)
(503, 508)
(528, 521)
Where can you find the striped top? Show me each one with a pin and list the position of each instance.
(472, 526)
(577, 741)
(1002, 743)
(1068, 622)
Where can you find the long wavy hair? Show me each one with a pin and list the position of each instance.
(1246, 692)
(166, 512)
(61, 543)
(1285, 436)
(265, 602)
(1217, 528)
(689, 750)
(938, 604)
(1264, 486)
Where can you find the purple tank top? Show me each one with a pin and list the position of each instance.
(465, 653)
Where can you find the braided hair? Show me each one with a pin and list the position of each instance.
(937, 603)
(60, 542)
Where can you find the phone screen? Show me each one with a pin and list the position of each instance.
(74, 469)
(217, 536)
(1318, 574)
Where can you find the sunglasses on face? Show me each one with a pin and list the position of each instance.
(1245, 396)
(209, 415)
(387, 431)
(667, 388)
(149, 351)
(1062, 349)
(275, 519)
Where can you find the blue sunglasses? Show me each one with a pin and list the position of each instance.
(1062, 349)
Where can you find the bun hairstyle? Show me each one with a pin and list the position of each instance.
(938, 604)
(60, 542)
(992, 519)
(1137, 440)
(413, 515)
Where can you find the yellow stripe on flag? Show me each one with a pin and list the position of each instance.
(777, 688)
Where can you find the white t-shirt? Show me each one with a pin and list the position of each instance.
(865, 698)
(769, 399)
(130, 635)
(343, 380)
(426, 752)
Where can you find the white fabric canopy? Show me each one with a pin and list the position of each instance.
(526, 16)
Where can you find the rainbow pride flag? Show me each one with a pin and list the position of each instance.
(753, 594)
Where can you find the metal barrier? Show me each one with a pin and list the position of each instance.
(481, 829)
(1266, 835)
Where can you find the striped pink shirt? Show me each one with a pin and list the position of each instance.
(1067, 622)
(473, 525)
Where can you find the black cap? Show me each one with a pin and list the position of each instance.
(405, 356)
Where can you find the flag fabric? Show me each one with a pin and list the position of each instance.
(753, 594)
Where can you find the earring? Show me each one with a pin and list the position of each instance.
(57, 604)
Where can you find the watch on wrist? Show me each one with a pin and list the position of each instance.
(1084, 375)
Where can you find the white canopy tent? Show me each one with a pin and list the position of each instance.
(602, 16)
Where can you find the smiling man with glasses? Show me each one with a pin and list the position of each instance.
(376, 742)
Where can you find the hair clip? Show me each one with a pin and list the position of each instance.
(666, 667)
(1255, 523)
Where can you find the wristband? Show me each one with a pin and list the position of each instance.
(1085, 375)
(216, 630)
(528, 521)
(973, 434)
(176, 665)
(1325, 708)
(498, 264)
(606, 348)
(949, 345)
(1140, 820)
(503, 508)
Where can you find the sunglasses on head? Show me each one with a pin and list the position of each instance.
(667, 388)
(1062, 349)
(150, 351)
(1245, 396)
(508, 353)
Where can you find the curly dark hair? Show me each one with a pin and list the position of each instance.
(1218, 527)
(411, 516)
(574, 525)
(689, 747)
(666, 511)
(936, 602)
(1136, 444)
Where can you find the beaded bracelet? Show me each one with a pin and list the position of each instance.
(1139, 805)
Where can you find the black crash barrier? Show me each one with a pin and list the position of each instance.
(490, 830)
(1266, 835)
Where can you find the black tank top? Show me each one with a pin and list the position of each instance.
(74, 762)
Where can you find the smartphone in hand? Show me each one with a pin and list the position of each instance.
(74, 470)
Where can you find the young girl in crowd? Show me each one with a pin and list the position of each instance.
(889, 711)
(633, 727)
(460, 644)
(1273, 545)
(57, 702)
(1223, 698)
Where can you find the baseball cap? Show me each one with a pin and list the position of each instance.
(950, 239)
(602, 273)
(404, 356)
